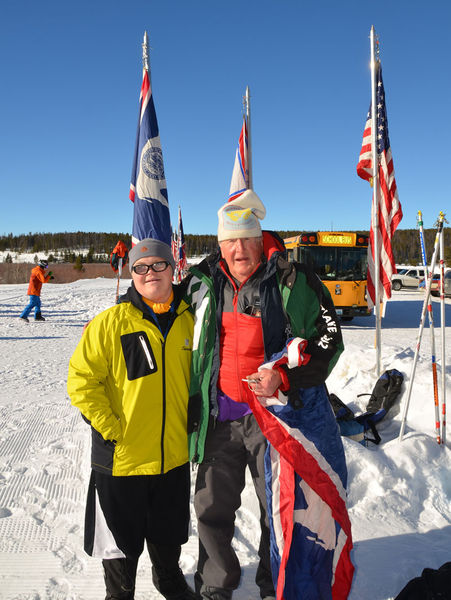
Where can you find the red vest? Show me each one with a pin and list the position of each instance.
(241, 350)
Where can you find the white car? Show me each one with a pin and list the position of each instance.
(409, 278)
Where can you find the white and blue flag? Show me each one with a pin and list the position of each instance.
(148, 190)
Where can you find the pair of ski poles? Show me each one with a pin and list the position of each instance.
(427, 307)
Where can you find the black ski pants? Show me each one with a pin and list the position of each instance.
(145, 508)
(120, 574)
(231, 446)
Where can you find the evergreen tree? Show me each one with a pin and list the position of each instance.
(78, 265)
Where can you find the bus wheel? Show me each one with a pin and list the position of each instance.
(347, 318)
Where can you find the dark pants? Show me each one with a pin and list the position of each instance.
(150, 508)
(230, 447)
(120, 574)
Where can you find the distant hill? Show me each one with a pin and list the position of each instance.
(96, 246)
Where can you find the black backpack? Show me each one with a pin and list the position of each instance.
(382, 399)
(434, 584)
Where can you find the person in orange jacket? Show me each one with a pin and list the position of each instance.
(37, 278)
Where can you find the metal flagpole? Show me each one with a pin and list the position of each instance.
(247, 101)
(145, 46)
(420, 332)
(428, 275)
(119, 273)
(442, 329)
(375, 204)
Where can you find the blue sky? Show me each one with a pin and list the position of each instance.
(71, 75)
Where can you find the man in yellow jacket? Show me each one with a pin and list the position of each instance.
(129, 377)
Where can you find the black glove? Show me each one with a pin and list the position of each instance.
(51, 277)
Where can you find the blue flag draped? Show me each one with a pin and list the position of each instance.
(306, 478)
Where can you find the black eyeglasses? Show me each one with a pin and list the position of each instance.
(159, 266)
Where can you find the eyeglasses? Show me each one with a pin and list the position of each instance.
(159, 266)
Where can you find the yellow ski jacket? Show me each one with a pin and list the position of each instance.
(131, 383)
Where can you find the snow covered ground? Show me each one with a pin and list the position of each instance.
(399, 494)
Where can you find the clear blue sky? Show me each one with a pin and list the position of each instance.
(71, 74)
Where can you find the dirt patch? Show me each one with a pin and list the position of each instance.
(63, 272)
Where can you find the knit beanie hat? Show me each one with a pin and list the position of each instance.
(151, 247)
(240, 217)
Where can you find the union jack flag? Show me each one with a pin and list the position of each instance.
(148, 190)
(240, 174)
(385, 195)
(306, 480)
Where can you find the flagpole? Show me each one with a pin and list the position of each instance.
(375, 204)
(247, 101)
(442, 330)
(145, 46)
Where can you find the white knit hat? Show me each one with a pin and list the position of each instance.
(240, 217)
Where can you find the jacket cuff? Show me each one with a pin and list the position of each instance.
(285, 385)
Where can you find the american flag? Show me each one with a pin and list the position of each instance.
(385, 195)
(240, 174)
(306, 478)
(174, 246)
(148, 191)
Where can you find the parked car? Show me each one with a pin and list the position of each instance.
(409, 278)
(435, 285)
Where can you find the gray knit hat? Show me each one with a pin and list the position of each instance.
(151, 247)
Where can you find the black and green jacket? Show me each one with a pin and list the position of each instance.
(294, 303)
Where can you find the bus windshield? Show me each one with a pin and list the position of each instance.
(337, 264)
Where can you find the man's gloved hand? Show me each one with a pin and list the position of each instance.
(51, 274)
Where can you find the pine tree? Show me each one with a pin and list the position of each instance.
(78, 265)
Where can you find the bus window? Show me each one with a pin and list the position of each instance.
(338, 264)
(352, 264)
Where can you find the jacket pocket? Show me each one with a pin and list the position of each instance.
(139, 357)
(194, 409)
(102, 453)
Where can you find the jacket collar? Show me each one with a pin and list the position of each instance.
(135, 298)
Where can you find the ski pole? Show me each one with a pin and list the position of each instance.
(442, 325)
(429, 274)
(119, 273)
(420, 331)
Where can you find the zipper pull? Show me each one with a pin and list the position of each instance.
(146, 352)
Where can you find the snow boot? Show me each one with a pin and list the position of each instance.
(188, 594)
(212, 593)
(24, 319)
(39, 317)
(120, 575)
(174, 587)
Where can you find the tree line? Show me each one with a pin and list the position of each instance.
(91, 247)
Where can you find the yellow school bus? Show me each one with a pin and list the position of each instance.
(340, 260)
